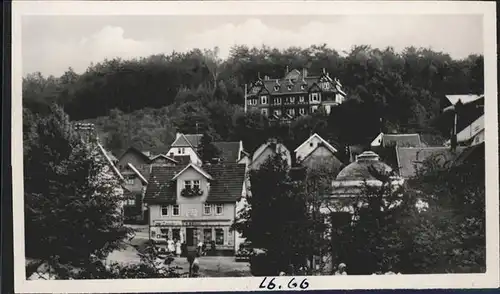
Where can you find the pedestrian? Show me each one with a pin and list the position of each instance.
(341, 269)
(200, 246)
(204, 248)
(194, 265)
(170, 246)
(178, 248)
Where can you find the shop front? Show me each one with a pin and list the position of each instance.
(215, 234)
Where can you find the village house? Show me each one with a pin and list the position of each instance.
(317, 151)
(266, 151)
(464, 115)
(293, 95)
(192, 203)
(472, 134)
(410, 160)
(401, 140)
(186, 145)
(134, 156)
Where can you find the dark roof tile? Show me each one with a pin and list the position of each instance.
(228, 151)
(409, 159)
(226, 186)
(401, 140)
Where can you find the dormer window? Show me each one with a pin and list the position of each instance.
(276, 88)
(302, 87)
(191, 188)
(289, 87)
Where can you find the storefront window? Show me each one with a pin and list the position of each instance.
(219, 236)
(164, 233)
(176, 234)
(207, 235)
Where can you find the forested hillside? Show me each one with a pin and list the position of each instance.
(143, 102)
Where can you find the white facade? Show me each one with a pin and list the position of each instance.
(310, 145)
(476, 128)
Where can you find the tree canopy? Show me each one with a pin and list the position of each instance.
(144, 101)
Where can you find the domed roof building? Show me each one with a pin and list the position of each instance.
(367, 169)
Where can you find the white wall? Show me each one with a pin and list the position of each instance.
(187, 151)
(470, 131)
(307, 148)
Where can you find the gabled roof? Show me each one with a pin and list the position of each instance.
(195, 167)
(194, 139)
(260, 150)
(162, 156)
(110, 162)
(226, 185)
(400, 140)
(155, 151)
(453, 99)
(409, 158)
(181, 141)
(187, 140)
(137, 172)
(316, 148)
(294, 82)
(136, 151)
(182, 159)
(327, 145)
(229, 151)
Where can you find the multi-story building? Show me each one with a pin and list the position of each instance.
(196, 203)
(294, 95)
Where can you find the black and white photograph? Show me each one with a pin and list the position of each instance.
(230, 146)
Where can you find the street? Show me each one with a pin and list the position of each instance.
(210, 266)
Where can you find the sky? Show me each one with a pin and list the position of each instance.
(52, 44)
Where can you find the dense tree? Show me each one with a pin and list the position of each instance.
(208, 150)
(287, 239)
(72, 199)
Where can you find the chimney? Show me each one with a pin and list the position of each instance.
(266, 78)
(324, 70)
(304, 72)
(286, 71)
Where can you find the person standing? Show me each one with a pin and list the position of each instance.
(178, 248)
(170, 246)
(200, 248)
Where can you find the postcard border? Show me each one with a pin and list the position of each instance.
(487, 9)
